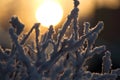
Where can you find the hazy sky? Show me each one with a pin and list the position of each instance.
(25, 9)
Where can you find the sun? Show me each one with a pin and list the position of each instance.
(49, 13)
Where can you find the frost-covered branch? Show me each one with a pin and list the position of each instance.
(45, 58)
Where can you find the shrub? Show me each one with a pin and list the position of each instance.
(65, 61)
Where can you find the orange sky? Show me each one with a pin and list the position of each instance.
(26, 10)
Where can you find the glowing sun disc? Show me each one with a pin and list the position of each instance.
(49, 13)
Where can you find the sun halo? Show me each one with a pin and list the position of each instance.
(49, 13)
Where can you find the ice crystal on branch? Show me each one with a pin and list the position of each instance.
(66, 59)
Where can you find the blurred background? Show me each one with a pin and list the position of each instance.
(90, 11)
